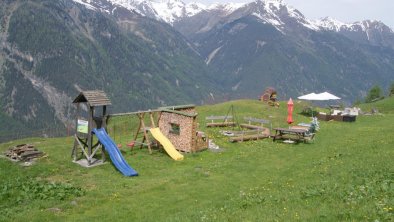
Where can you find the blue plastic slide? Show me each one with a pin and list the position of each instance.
(114, 153)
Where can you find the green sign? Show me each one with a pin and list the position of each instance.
(82, 126)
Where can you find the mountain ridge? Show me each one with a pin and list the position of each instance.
(170, 11)
(275, 12)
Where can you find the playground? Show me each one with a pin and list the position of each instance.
(91, 138)
(252, 180)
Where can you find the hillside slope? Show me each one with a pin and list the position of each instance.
(345, 174)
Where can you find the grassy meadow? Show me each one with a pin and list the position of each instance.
(345, 174)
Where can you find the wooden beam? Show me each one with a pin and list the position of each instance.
(134, 113)
(178, 107)
(220, 124)
(248, 137)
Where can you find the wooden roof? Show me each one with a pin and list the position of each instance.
(93, 98)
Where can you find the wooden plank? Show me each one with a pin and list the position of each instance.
(179, 113)
(218, 117)
(251, 119)
(220, 124)
(248, 137)
(249, 126)
(239, 133)
(189, 106)
(287, 130)
(134, 113)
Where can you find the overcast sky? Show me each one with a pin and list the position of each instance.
(343, 10)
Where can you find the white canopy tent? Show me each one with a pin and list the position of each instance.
(324, 96)
(319, 97)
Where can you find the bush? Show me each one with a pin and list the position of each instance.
(391, 89)
(375, 93)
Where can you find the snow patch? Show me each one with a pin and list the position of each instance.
(260, 44)
(235, 88)
(229, 7)
(86, 3)
(212, 55)
(236, 28)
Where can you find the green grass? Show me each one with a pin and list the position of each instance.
(346, 174)
(383, 106)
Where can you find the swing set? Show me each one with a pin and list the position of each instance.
(177, 124)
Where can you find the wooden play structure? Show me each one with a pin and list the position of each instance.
(94, 123)
(269, 96)
(89, 101)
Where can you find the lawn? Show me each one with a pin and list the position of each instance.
(346, 174)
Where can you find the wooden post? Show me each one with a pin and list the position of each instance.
(142, 127)
(146, 136)
(75, 148)
(104, 121)
(152, 120)
(194, 136)
(90, 139)
(104, 125)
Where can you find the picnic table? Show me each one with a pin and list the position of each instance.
(292, 133)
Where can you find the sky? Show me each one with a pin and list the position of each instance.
(343, 10)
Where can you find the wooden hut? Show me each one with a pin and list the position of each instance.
(269, 96)
(179, 125)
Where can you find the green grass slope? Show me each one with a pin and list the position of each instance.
(384, 106)
(346, 174)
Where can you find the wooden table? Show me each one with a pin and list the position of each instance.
(296, 134)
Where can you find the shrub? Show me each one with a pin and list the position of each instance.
(375, 93)
(391, 89)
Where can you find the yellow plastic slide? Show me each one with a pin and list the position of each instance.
(168, 147)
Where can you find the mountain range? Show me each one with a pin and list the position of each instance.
(146, 54)
(267, 42)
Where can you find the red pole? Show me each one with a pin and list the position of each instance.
(290, 106)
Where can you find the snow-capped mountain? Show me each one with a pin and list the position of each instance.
(367, 31)
(275, 12)
(332, 24)
(168, 11)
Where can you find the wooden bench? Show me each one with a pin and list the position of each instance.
(219, 121)
(256, 130)
(246, 135)
(254, 123)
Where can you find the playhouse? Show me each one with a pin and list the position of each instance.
(179, 125)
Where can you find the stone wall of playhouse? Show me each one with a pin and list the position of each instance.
(180, 127)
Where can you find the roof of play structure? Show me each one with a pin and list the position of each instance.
(179, 110)
(93, 97)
